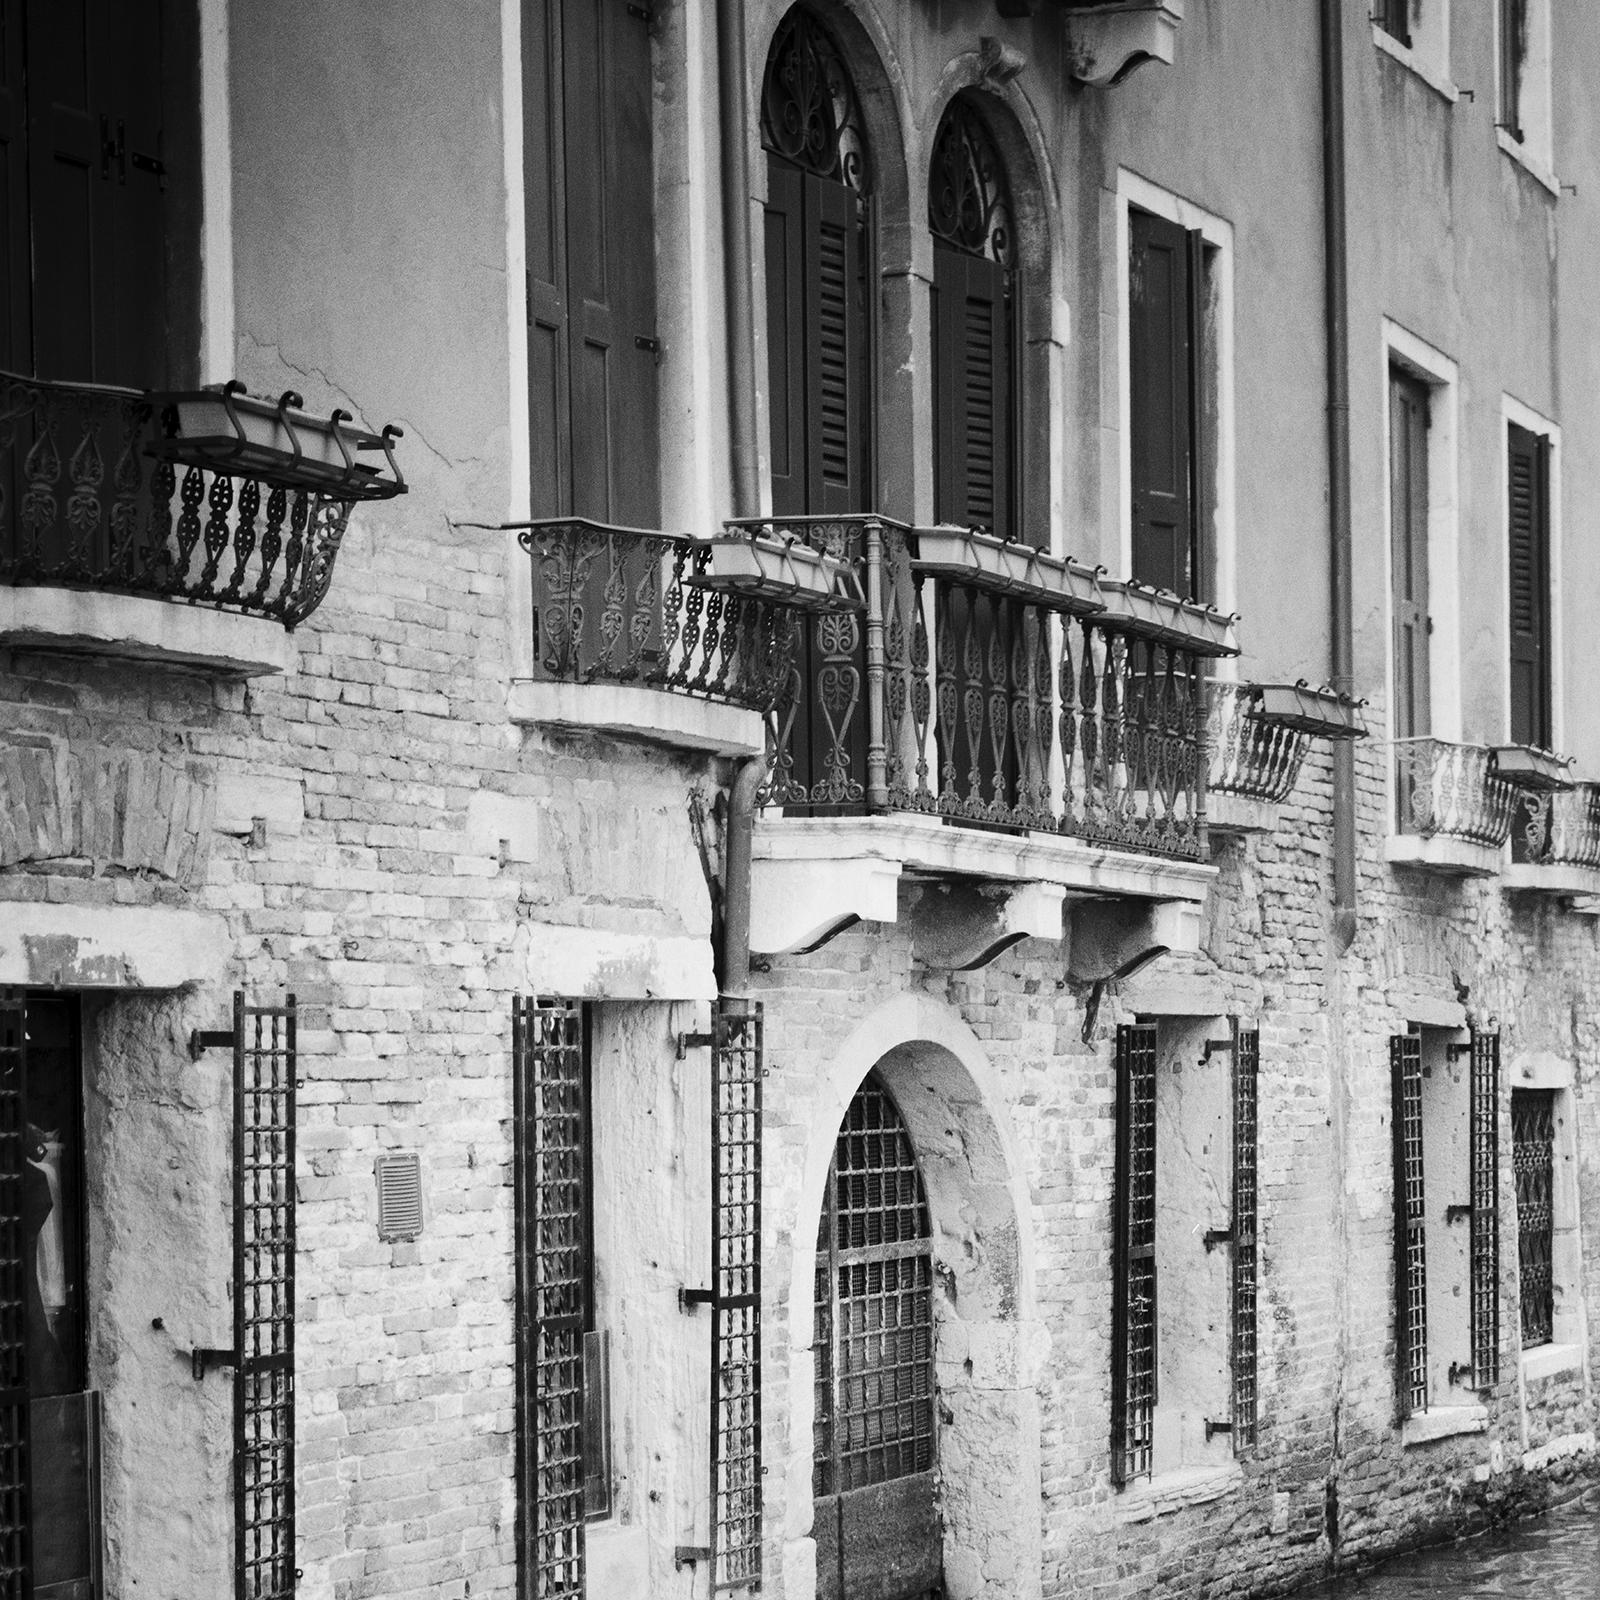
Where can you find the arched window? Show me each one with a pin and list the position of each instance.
(975, 365)
(876, 1526)
(816, 244)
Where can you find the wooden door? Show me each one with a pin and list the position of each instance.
(876, 1518)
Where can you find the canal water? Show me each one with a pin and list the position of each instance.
(1553, 1557)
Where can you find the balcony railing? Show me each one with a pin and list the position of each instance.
(107, 489)
(632, 606)
(1250, 756)
(1451, 791)
(1559, 829)
(1009, 690)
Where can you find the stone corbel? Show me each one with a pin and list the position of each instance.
(797, 906)
(1106, 43)
(998, 64)
(959, 926)
(1113, 939)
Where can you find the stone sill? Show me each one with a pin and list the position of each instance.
(1439, 82)
(135, 628)
(1553, 878)
(1237, 813)
(1456, 858)
(1443, 1422)
(1561, 1449)
(1170, 1492)
(1529, 162)
(1550, 1360)
(657, 716)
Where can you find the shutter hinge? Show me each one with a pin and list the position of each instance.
(1216, 1427)
(688, 1299)
(203, 1039)
(1458, 1213)
(687, 1555)
(649, 13)
(694, 1041)
(1212, 1237)
(202, 1358)
(644, 341)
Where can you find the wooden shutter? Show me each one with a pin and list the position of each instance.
(550, 1114)
(1528, 527)
(784, 232)
(1163, 367)
(1133, 1293)
(835, 327)
(1485, 1191)
(15, 1554)
(972, 392)
(16, 281)
(1408, 512)
(590, 181)
(1410, 1242)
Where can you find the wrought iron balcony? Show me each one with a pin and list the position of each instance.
(209, 498)
(995, 687)
(1250, 756)
(1451, 791)
(1558, 828)
(711, 618)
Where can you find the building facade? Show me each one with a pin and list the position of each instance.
(898, 899)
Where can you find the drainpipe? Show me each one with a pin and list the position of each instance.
(734, 963)
(1337, 328)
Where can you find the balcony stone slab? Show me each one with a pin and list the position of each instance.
(135, 628)
(1237, 814)
(628, 711)
(52, 946)
(814, 876)
(1450, 857)
(1554, 878)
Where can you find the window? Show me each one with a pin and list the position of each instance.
(99, 191)
(1408, 522)
(1417, 33)
(1183, 1293)
(1533, 1136)
(592, 399)
(1528, 539)
(1522, 72)
(1513, 32)
(817, 246)
(1445, 1104)
(1549, 1254)
(1394, 17)
(976, 389)
(49, 1419)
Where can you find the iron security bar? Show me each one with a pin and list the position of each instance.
(1485, 1186)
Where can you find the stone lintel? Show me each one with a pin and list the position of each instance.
(51, 946)
(594, 964)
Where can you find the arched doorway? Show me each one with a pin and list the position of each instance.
(875, 1426)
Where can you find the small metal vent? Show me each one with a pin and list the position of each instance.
(399, 1197)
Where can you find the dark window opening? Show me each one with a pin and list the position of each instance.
(1408, 517)
(1410, 1226)
(1533, 1136)
(1133, 1297)
(1394, 17)
(1528, 527)
(1513, 64)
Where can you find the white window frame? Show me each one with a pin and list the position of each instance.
(1513, 410)
(1428, 54)
(1136, 193)
(1535, 111)
(1402, 348)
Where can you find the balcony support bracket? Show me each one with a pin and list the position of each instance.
(960, 926)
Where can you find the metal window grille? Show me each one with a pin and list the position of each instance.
(1485, 1189)
(550, 1088)
(263, 1297)
(1410, 1266)
(1246, 1073)
(1133, 1307)
(15, 1562)
(874, 1332)
(1533, 1140)
(736, 1066)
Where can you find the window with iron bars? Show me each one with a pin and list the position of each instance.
(1533, 1125)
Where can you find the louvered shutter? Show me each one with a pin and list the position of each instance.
(1408, 516)
(15, 1555)
(589, 174)
(835, 334)
(784, 232)
(973, 402)
(1528, 526)
(1161, 379)
(1133, 1293)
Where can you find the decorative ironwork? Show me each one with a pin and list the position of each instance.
(736, 1066)
(1410, 1241)
(619, 605)
(15, 1574)
(1250, 756)
(809, 111)
(550, 1085)
(978, 722)
(1485, 1188)
(1533, 1140)
(1450, 791)
(874, 1305)
(1560, 828)
(87, 501)
(1246, 1078)
(263, 1297)
(1133, 1296)
(969, 201)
